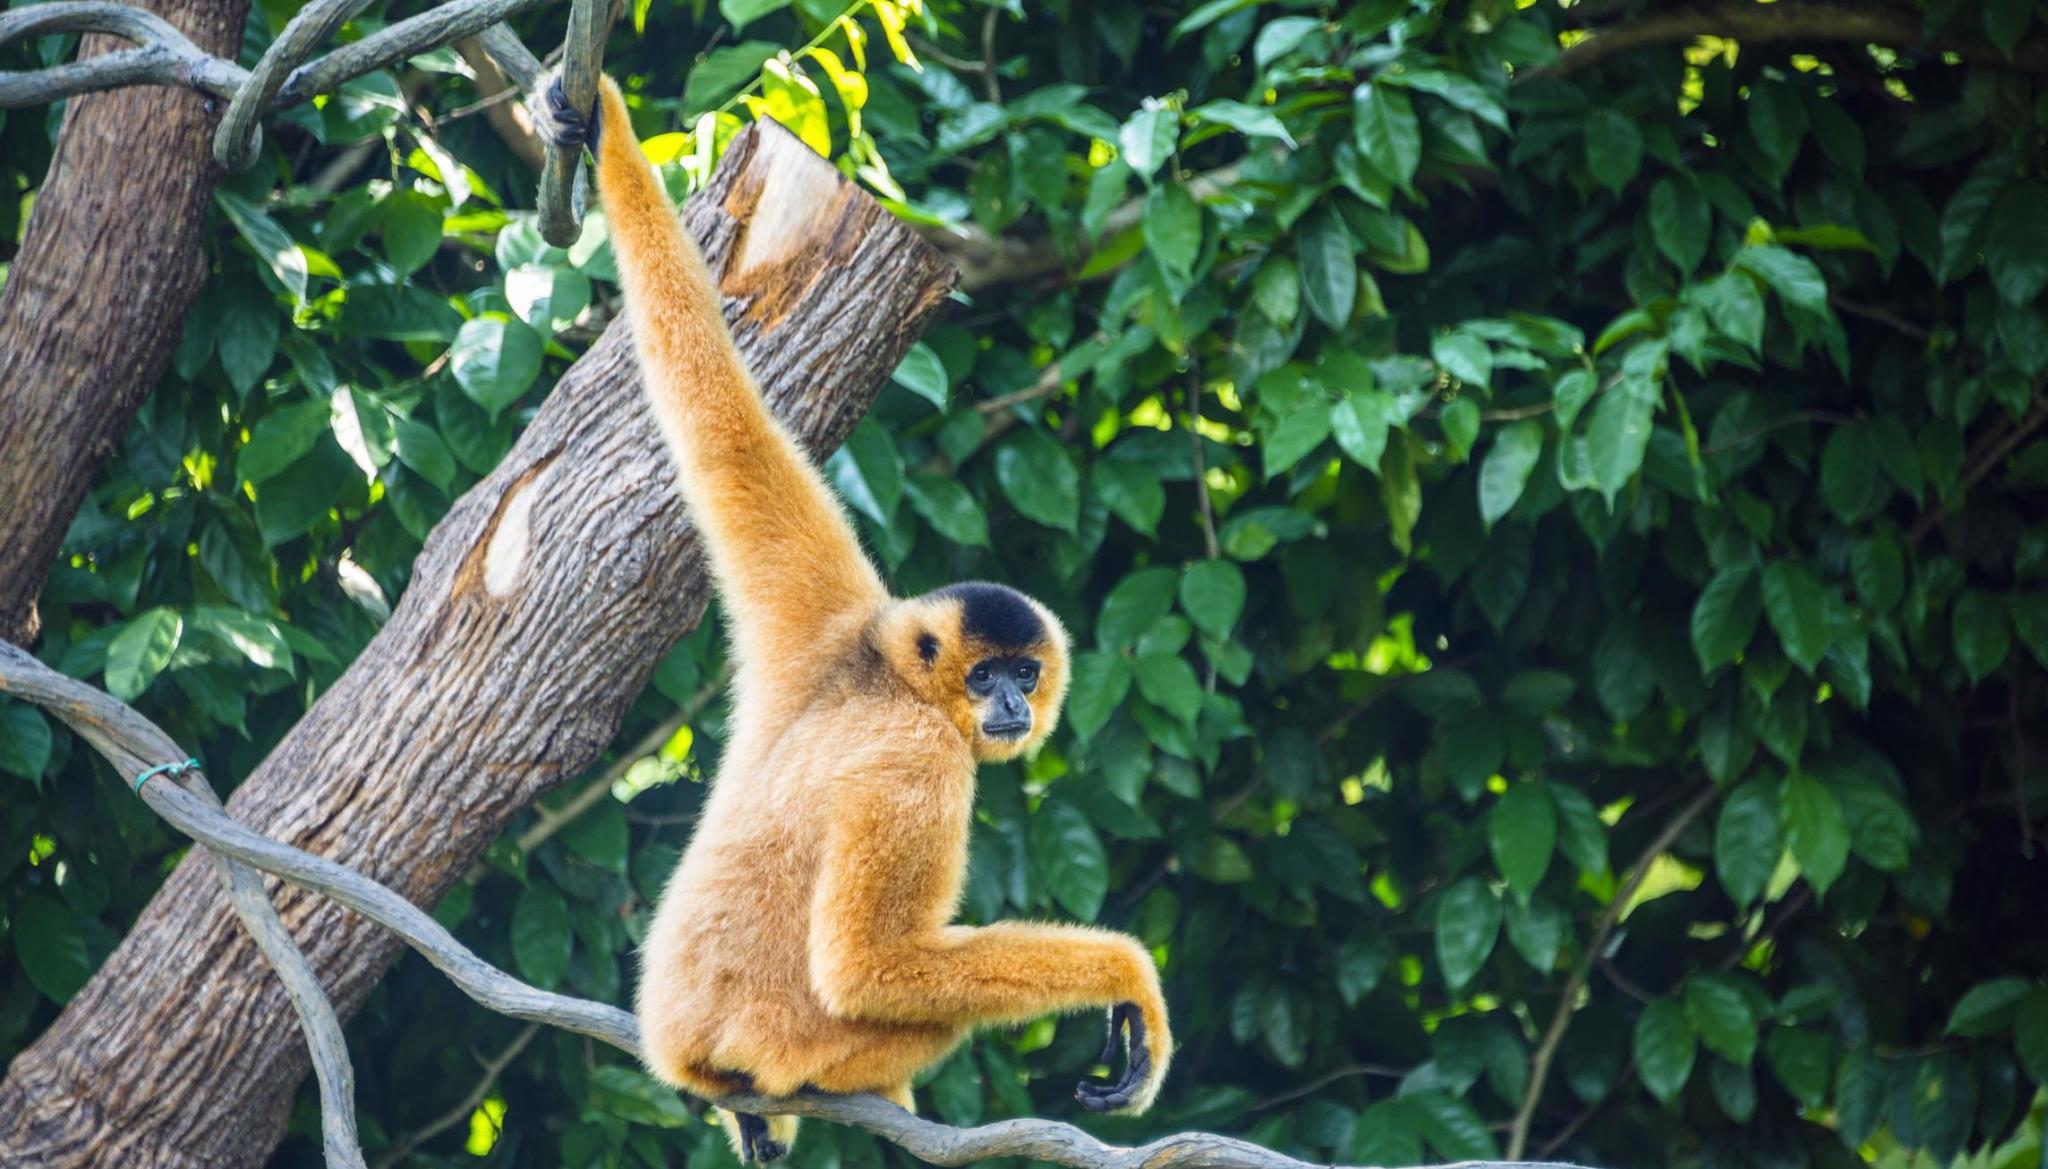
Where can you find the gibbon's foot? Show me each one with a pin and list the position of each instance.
(756, 1146)
(1126, 1030)
(565, 126)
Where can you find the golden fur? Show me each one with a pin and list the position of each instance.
(805, 938)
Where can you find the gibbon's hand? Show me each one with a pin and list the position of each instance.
(1126, 1030)
(557, 122)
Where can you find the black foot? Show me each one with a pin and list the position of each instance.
(1126, 1030)
(567, 126)
(756, 1146)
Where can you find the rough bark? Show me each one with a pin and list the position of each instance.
(537, 611)
(128, 187)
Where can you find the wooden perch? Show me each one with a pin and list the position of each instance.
(537, 611)
(132, 744)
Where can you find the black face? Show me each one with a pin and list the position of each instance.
(1004, 681)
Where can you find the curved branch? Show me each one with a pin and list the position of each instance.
(441, 25)
(162, 56)
(132, 743)
(241, 132)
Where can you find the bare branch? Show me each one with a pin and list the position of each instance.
(441, 25)
(132, 744)
(240, 134)
(162, 56)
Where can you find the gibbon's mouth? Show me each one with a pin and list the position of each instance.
(1008, 730)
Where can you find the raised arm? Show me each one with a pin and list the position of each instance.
(785, 557)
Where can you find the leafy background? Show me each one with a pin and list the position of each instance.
(1539, 532)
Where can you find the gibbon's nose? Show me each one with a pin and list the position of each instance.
(1009, 716)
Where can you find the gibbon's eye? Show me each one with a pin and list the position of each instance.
(981, 679)
(1027, 675)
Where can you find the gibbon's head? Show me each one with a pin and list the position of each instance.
(991, 658)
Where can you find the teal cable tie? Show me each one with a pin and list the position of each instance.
(164, 769)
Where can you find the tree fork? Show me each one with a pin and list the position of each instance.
(537, 611)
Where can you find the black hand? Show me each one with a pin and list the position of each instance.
(571, 127)
(1104, 1096)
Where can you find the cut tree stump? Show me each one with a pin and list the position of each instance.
(537, 611)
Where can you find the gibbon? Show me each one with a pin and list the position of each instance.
(804, 940)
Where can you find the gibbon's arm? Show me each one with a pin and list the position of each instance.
(879, 949)
(785, 557)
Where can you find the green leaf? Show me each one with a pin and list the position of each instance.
(1454, 1128)
(1360, 963)
(422, 450)
(1505, 472)
(1581, 837)
(542, 936)
(1173, 230)
(2030, 1034)
(24, 740)
(282, 438)
(257, 638)
(141, 650)
(1815, 829)
(1748, 840)
(635, 1097)
(1878, 569)
(1384, 126)
(1388, 1133)
(1570, 395)
(1538, 930)
(741, 13)
(1614, 148)
(722, 72)
(1725, 617)
(1039, 477)
(2030, 621)
(1464, 356)
(247, 337)
(1735, 306)
(1168, 682)
(49, 945)
(1620, 432)
(495, 361)
(1777, 120)
(1329, 268)
(1793, 277)
(1131, 608)
(412, 230)
(1276, 290)
(1149, 137)
(1664, 1049)
(1251, 121)
(1295, 437)
(868, 472)
(1467, 924)
(1461, 91)
(1983, 636)
(1681, 219)
(1734, 1089)
(2019, 262)
(1101, 681)
(1800, 1061)
(1212, 594)
(1069, 857)
(948, 507)
(2005, 21)
(1987, 1007)
(600, 836)
(922, 373)
(1359, 423)
(269, 241)
(1718, 1011)
(1131, 491)
(1798, 612)
(1849, 473)
(1522, 833)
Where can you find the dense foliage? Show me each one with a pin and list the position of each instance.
(1542, 530)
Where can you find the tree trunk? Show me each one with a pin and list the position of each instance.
(127, 192)
(538, 609)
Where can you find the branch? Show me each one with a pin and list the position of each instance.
(1567, 999)
(133, 744)
(582, 55)
(164, 56)
(1757, 23)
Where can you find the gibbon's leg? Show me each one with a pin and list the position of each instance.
(787, 562)
(759, 1140)
(870, 959)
